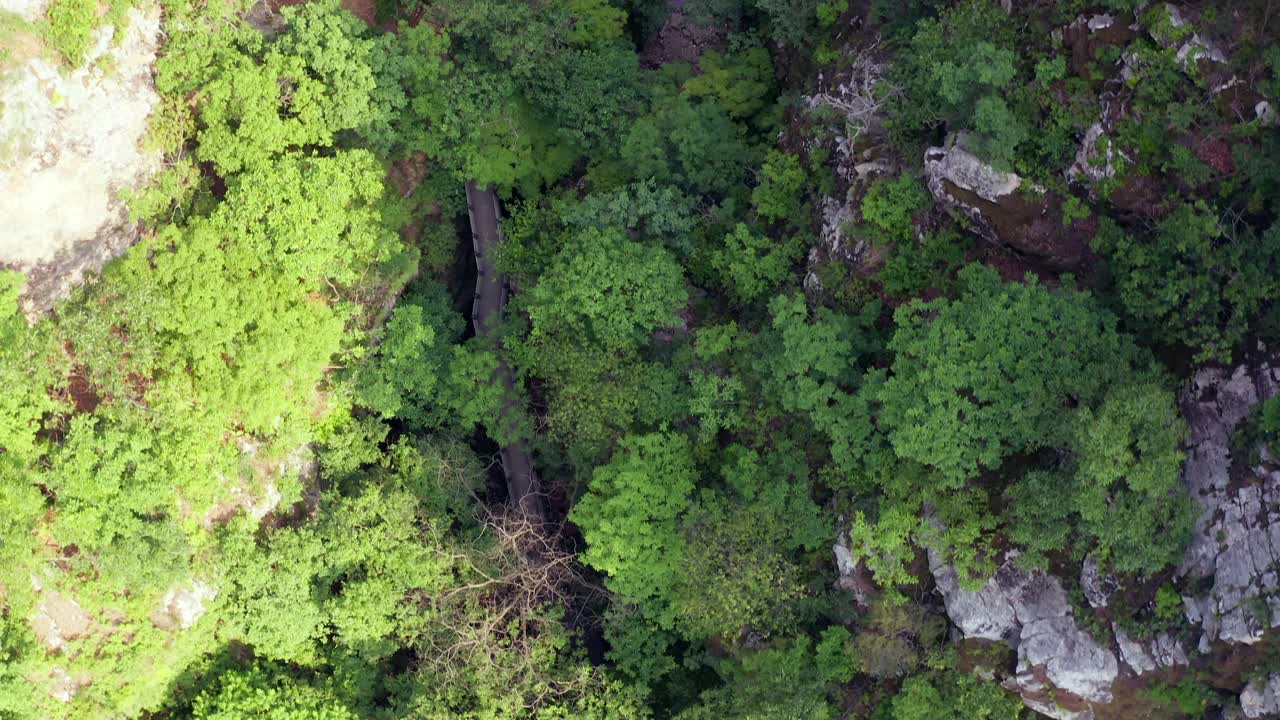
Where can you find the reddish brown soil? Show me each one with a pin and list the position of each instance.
(82, 393)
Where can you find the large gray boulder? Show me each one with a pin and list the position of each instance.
(1004, 209)
(1261, 699)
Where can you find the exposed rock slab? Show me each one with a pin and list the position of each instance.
(26, 9)
(64, 687)
(69, 143)
(1162, 652)
(1071, 659)
(58, 619)
(182, 606)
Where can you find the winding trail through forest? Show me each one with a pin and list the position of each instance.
(486, 315)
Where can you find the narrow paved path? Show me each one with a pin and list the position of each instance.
(486, 314)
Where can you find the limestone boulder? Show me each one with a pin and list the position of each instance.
(1006, 210)
(58, 619)
(183, 605)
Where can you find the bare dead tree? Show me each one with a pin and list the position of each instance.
(514, 575)
(861, 97)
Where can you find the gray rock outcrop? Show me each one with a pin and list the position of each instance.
(855, 100)
(1191, 48)
(1062, 670)
(1162, 652)
(835, 243)
(1097, 158)
(1236, 546)
(955, 163)
(1098, 586)
(1066, 673)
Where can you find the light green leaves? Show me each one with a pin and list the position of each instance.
(31, 363)
(314, 81)
(629, 519)
(607, 291)
(1129, 465)
(752, 264)
(779, 193)
(991, 373)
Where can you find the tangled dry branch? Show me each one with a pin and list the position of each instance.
(496, 623)
(861, 96)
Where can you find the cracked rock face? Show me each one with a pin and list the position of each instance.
(1062, 671)
(1236, 545)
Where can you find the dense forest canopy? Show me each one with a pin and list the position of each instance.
(925, 282)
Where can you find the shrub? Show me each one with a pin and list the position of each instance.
(1194, 281)
(778, 195)
(70, 28)
(890, 206)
